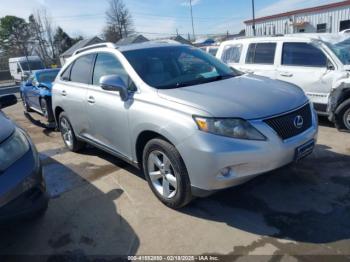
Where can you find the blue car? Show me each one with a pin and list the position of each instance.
(22, 187)
(36, 92)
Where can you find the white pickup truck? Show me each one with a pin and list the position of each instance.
(319, 64)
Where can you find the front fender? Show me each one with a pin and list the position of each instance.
(340, 91)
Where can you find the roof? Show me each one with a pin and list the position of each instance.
(181, 40)
(146, 45)
(46, 70)
(81, 44)
(23, 58)
(132, 40)
(292, 38)
(300, 11)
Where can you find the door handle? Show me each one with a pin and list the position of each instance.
(63, 93)
(91, 100)
(286, 74)
(249, 71)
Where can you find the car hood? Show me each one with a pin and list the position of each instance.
(7, 127)
(247, 96)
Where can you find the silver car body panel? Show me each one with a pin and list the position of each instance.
(115, 125)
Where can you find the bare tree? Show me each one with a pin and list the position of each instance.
(43, 33)
(119, 21)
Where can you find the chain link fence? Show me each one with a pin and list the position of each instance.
(4, 69)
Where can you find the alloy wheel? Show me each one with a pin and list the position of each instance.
(346, 119)
(162, 175)
(66, 131)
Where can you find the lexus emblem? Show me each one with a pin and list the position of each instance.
(298, 121)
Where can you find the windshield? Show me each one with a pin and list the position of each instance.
(341, 50)
(176, 66)
(47, 77)
(34, 65)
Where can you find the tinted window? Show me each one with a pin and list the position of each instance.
(47, 77)
(321, 28)
(81, 70)
(108, 64)
(66, 74)
(262, 53)
(33, 65)
(176, 66)
(232, 54)
(303, 54)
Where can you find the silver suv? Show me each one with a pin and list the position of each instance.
(192, 124)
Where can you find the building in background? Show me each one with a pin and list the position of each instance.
(80, 44)
(134, 39)
(330, 18)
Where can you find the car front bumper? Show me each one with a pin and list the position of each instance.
(22, 188)
(207, 156)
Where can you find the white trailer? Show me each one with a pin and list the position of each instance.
(21, 67)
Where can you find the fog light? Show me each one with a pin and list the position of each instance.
(225, 172)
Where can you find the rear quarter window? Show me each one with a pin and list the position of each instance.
(261, 53)
(232, 54)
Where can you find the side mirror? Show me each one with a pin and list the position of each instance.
(114, 83)
(7, 100)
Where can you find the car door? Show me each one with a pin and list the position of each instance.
(260, 59)
(108, 114)
(305, 65)
(72, 91)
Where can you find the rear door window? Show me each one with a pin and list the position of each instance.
(81, 70)
(232, 54)
(261, 53)
(303, 54)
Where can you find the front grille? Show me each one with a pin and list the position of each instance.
(284, 125)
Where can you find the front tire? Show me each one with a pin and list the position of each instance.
(342, 116)
(166, 173)
(45, 104)
(68, 135)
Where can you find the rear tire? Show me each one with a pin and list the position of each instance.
(68, 135)
(25, 104)
(342, 116)
(166, 173)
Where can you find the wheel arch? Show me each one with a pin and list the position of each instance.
(142, 139)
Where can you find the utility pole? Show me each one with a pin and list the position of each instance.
(253, 7)
(194, 37)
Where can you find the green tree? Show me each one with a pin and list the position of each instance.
(14, 36)
(62, 40)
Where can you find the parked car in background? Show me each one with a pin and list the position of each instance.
(320, 65)
(210, 49)
(22, 187)
(36, 92)
(188, 120)
(22, 67)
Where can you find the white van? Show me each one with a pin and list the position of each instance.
(20, 67)
(319, 65)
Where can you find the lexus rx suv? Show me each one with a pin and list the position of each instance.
(190, 122)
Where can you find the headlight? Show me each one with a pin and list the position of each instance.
(234, 127)
(13, 149)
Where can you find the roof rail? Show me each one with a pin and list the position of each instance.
(101, 45)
